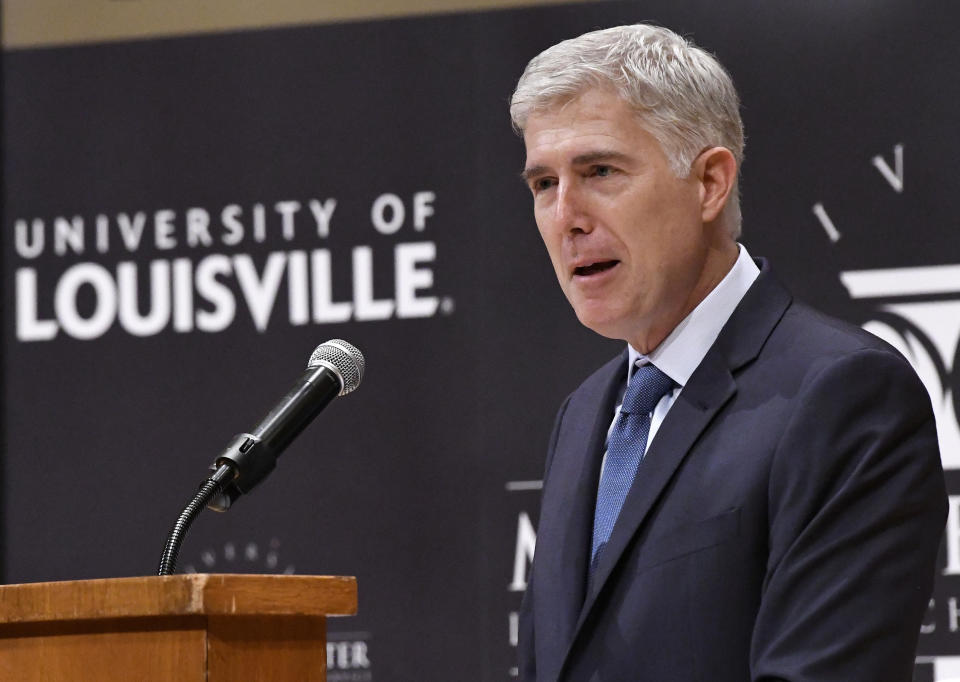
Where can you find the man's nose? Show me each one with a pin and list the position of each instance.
(570, 210)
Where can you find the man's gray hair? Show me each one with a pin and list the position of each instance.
(681, 93)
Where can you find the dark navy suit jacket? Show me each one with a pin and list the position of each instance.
(783, 525)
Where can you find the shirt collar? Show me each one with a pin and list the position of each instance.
(685, 347)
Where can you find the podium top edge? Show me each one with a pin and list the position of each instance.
(195, 594)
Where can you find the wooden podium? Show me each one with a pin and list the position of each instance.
(181, 628)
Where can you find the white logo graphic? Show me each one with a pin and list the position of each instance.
(242, 558)
(207, 273)
(348, 657)
(945, 668)
(918, 312)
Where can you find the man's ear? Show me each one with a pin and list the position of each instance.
(716, 168)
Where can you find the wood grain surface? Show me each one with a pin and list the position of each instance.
(184, 628)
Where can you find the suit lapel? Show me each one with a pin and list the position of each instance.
(690, 414)
(710, 387)
(563, 537)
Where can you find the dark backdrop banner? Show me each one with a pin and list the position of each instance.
(184, 219)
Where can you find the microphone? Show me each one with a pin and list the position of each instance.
(335, 368)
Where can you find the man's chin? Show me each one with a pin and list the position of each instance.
(602, 322)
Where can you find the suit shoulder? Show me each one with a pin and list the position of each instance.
(808, 345)
(811, 333)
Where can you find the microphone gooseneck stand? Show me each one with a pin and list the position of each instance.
(335, 368)
(211, 487)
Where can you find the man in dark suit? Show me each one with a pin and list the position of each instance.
(751, 490)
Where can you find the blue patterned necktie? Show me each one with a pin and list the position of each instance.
(625, 449)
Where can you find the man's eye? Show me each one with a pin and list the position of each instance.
(541, 184)
(603, 171)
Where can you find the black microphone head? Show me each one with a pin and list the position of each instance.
(343, 358)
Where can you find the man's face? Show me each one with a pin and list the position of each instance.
(625, 235)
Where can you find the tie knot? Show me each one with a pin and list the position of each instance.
(647, 385)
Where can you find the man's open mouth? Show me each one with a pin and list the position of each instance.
(594, 268)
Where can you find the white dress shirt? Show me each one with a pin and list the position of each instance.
(685, 347)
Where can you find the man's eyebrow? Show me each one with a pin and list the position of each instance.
(584, 159)
(532, 172)
(597, 156)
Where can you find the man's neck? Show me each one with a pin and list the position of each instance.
(718, 264)
(681, 352)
